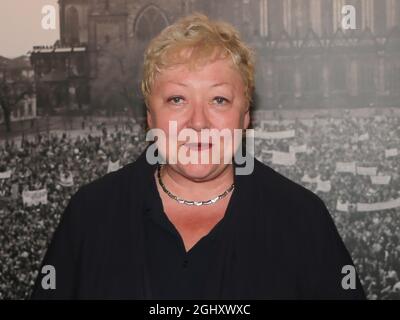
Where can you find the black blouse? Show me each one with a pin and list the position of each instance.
(173, 272)
(277, 240)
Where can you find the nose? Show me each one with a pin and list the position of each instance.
(198, 118)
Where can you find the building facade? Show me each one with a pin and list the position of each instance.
(305, 59)
(17, 91)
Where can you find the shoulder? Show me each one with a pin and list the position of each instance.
(299, 212)
(117, 183)
(112, 193)
(284, 191)
(302, 229)
(107, 185)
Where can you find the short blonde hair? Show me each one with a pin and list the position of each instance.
(204, 36)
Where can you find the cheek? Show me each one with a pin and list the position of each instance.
(170, 124)
(160, 122)
(161, 118)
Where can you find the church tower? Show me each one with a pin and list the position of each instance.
(73, 22)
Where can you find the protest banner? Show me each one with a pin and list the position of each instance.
(368, 207)
(283, 158)
(113, 166)
(66, 180)
(349, 167)
(308, 179)
(5, 174)
(391, 152)
(275, 135)
(323, 186)
(298, 149)
(382, 180)
(34, 197)
(377, 206)
(342, 206)
(367, 171)
(363, 137)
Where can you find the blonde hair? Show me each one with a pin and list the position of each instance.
(208, 39)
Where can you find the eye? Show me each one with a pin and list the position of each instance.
(221, 100)
(175, 99)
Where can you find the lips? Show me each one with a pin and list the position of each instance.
(198, 146)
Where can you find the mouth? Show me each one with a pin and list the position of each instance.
(198, 146)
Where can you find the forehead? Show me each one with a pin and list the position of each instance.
(218, 71)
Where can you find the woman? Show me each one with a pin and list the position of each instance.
(196, 229)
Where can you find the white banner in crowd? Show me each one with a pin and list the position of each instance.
(391, 152)
(380, 179)
(113, 166)
(367, 171)
(5, 174)
(323, 186)
(346, 167)
(298, 149)
(266, 151)
(283, 158)
(265, 123)
(275, 135)
(342, 206)
(369, 207)
(307, 178)
(35, 197)
(363, 137)
(66, 180)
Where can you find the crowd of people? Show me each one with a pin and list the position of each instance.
(372, 238)
(40, 162)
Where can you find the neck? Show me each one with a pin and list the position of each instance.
(187, 188)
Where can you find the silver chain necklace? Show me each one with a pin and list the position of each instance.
(191, 202)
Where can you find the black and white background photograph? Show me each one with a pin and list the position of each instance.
(326, 113)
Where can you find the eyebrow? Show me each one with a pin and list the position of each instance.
(220, 84)
(213, 86)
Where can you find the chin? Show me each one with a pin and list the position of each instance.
(200, 172)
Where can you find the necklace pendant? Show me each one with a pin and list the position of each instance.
(192, 203)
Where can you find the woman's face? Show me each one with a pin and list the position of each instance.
(210, 97)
